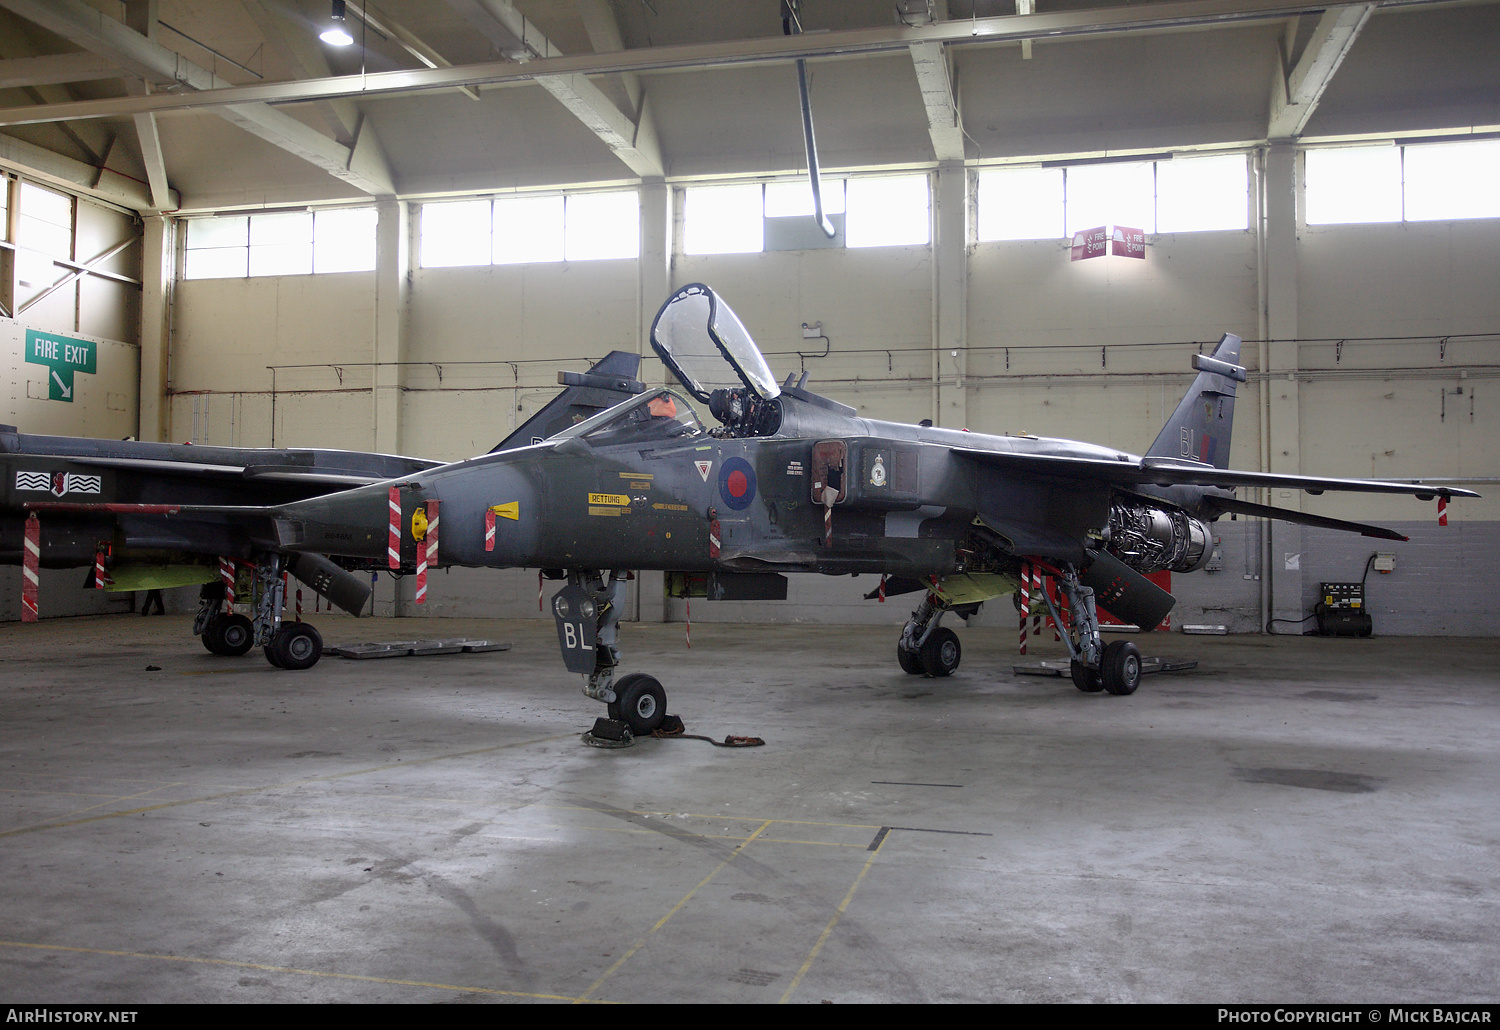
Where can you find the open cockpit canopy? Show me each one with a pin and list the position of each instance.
(707, 347)
(655, 415)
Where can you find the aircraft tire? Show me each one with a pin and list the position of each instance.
(296, 645)
(1085, 678)
(941, 653)
(910, 661)
(210, 635)
(1121, 667)
(640, 701)
(235, 635)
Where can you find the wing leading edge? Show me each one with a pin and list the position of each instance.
(1176, 472)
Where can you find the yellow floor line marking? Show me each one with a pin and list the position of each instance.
(674, 910)
(127, 797)
(233, 964)
(827, 930)
(263, 788)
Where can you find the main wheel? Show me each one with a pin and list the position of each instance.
(210, 635)
(1121, 667)
(236, 635)
(941, 653)
(909, 661)
(296, 645)
(1085, 677)
(640, 701)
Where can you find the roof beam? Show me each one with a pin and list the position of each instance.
(935, 80)
(89, 28)
(1295, 97)
(55, 68)
(405, 39)
(54, 169)
(765, 49)
(156, 165)
(520, 40)
(140, 15)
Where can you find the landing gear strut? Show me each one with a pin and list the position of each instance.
(587, 611)
(222, 632)
(925, 648)
(1115, 668)
(287, 645)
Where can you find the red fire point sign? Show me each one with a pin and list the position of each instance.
(1090, 243)
(1128, 242)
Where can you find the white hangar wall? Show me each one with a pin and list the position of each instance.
(101, 310)
(1096, 350)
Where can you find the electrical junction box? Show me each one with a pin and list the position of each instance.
(1385, 562)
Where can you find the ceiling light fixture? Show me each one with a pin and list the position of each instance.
(336, 34)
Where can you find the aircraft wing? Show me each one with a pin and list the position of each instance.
(1176, 472)
(334, 478)
(1221, 505)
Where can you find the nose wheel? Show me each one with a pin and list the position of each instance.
(640, 702)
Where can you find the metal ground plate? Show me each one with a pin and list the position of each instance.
(408, 648)
(1063, 668)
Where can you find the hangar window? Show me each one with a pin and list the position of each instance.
(724, 220)
(280, 243)
(1452, 180)
(880, 211)
(344, 240)
(456, 234)
(1416, 183)
(599, 226)
(1020, 204)
(43, 231)
(525, 229)
(889, 211)
(1353, 184)
(1198, 194)
(1185, 194)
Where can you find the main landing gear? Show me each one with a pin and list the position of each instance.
(287, 645)
(587, 612)
(1115, 668)
(927, 649)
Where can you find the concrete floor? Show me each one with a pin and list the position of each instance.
(1298, 820)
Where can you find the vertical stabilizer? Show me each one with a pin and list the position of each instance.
(1199, 430)
(608, 383)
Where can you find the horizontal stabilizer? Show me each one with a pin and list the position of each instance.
(1221, 505)
(1125, 593)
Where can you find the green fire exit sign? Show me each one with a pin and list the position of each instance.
(63, 355)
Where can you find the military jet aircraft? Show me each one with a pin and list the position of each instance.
(789, 481)
(101, 503)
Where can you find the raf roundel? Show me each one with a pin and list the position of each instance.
(737, 483)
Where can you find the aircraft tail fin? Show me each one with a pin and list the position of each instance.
(1199, 430)
(610, 381)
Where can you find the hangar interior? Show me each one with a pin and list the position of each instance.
(396, 244)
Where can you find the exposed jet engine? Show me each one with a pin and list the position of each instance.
(1150, 538)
